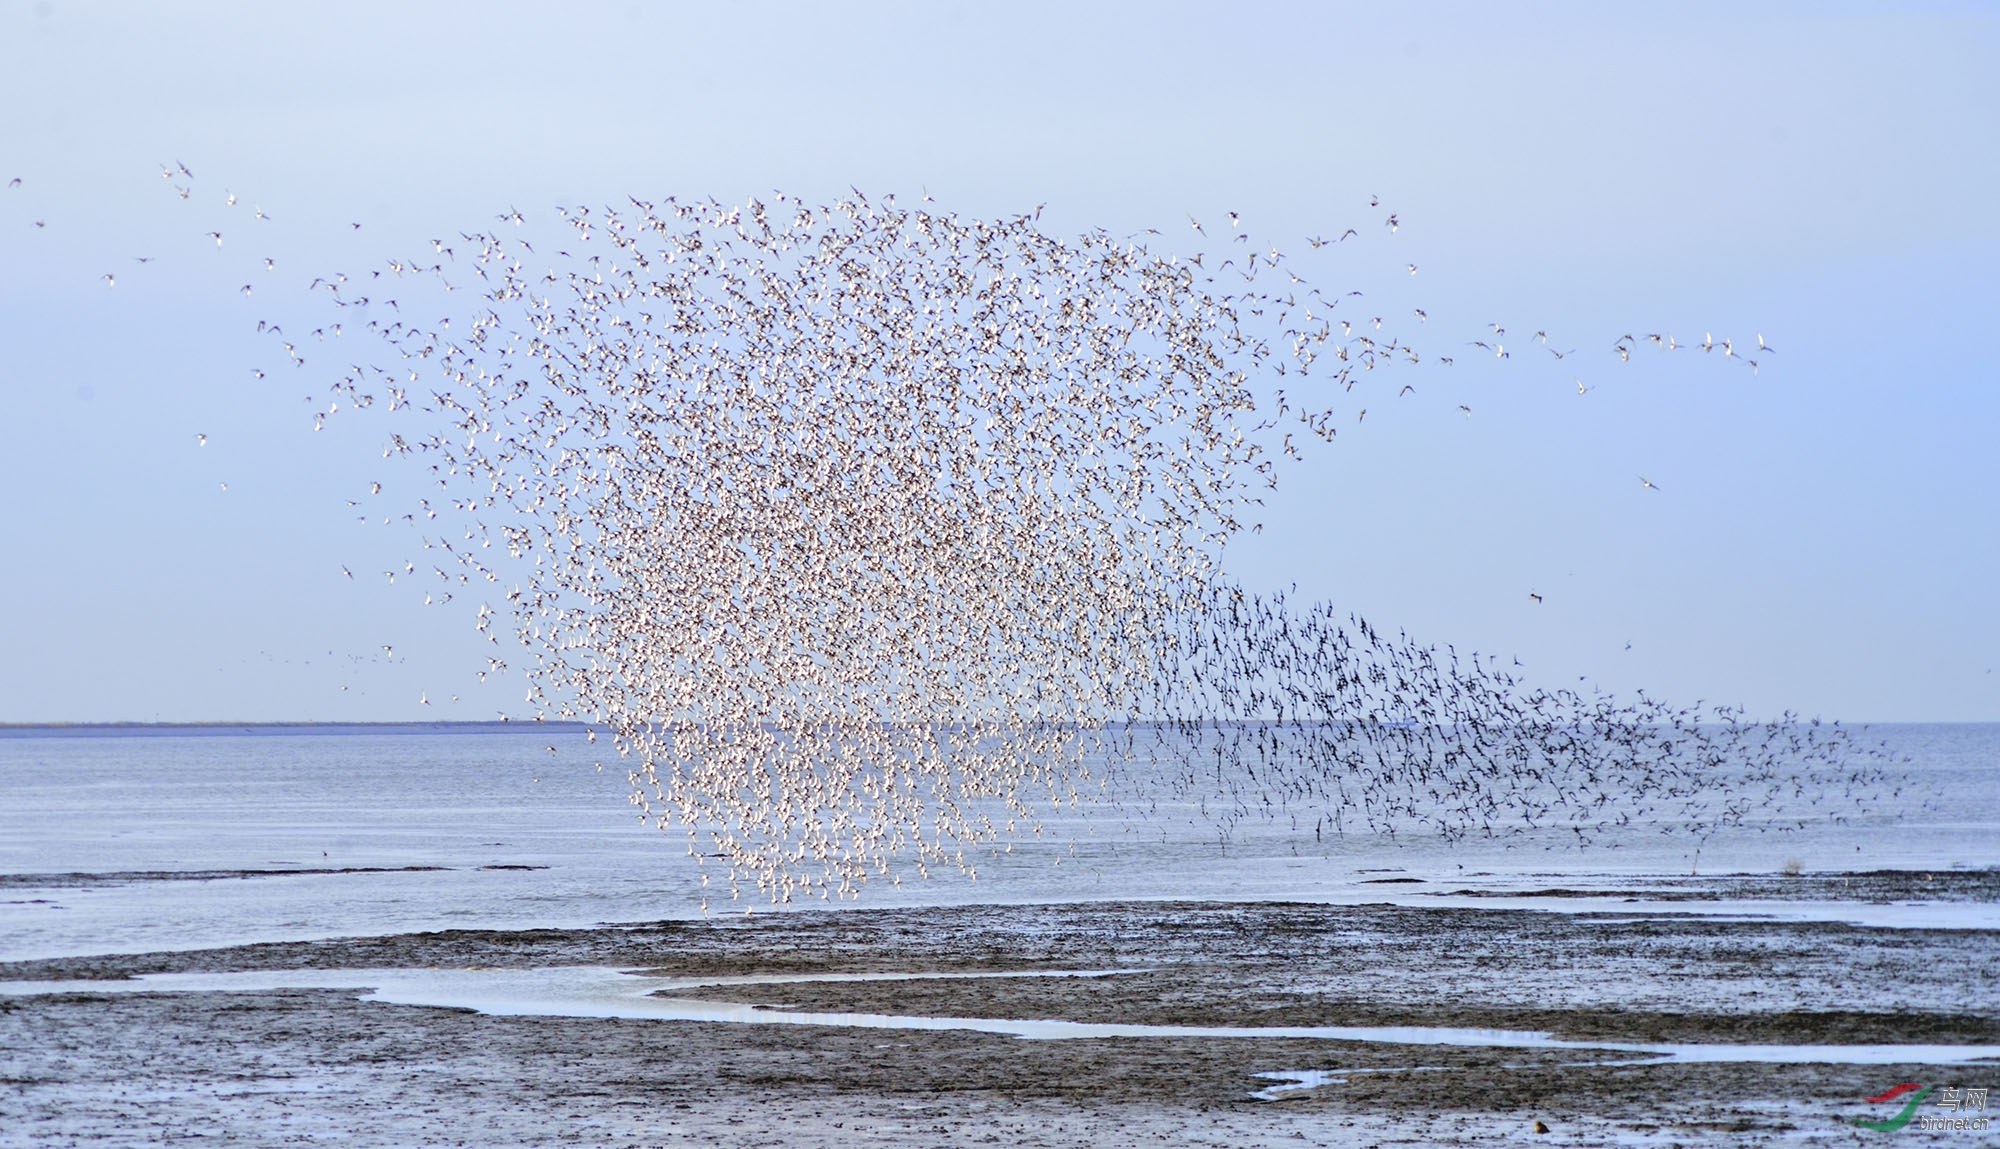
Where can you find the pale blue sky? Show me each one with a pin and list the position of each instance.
(1826, 536)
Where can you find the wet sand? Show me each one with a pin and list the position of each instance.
(322, 1066)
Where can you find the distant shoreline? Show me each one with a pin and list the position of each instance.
(271, 729)
(494, 726)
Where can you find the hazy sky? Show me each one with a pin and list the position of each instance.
(1824, 537)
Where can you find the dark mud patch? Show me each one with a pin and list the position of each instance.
(1878, 887)
(1210, 996)
(128, 877)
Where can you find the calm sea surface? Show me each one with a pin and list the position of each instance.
(135, 841)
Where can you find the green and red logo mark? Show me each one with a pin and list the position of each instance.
(1917, 1094)
(1959, 1107)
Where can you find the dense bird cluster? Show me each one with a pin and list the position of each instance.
(1264, 707)
(848, 521)
(868, 530)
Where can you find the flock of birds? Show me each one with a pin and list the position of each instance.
(868, 531)
(1267, 708)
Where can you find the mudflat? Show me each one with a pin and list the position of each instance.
(312, 1066)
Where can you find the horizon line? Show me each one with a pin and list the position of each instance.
(304, 723)
(289, 724)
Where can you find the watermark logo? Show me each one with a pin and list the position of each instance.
(1953, 1099)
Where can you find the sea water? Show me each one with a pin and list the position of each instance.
(130, 840)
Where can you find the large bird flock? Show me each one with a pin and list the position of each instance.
(869, 532)
(849, 521)
(1268, 708)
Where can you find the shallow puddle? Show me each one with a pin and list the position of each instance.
(602, 991)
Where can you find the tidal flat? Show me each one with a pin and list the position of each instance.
(99, 1059)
